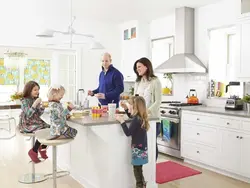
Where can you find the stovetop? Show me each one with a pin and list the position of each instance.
(172, 108)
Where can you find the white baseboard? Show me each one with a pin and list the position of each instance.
(219, 171)
(82, 181)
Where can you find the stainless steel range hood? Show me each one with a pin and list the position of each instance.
(184, 60)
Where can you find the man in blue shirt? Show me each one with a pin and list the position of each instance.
(110, 83)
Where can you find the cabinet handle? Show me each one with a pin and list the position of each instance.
(198, 119)
(237, 136)
(241, 137)
(198, 152)
(198, 133)
(228, 123)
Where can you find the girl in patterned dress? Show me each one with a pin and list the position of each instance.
(138, 130)
(59, 115)
(30, 120)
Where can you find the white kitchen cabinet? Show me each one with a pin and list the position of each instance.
(217, 141)
(229, 151)
(245, 154)
(244, 55)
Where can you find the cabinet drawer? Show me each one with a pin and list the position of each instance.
(230, 123)
(199, 153)
(197, 118)
(245, 126)
(199, 134)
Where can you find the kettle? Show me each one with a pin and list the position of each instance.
(192, 97)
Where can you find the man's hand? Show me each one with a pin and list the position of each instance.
(90, 93)
(100, 95)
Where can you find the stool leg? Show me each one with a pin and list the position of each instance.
(54, 166)
(33, 164)
(32, 177)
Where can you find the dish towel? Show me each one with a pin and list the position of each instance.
(167, 129)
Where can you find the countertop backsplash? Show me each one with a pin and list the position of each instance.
(184, 82)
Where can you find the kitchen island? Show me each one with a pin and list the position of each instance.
(100, 155)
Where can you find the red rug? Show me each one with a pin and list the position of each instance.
(170, 171)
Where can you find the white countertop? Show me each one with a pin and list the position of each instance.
(218, 110)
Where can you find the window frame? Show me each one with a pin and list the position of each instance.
(232, 31)
(171, 51)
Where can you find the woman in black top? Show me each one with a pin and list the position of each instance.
(138, 130)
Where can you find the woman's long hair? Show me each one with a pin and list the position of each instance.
(139, 109)
(149, 73)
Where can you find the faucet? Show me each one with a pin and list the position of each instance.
(78, 101)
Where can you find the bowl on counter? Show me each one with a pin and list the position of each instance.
(80, 113)
(77, 113)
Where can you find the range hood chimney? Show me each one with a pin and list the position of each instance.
(184, 60)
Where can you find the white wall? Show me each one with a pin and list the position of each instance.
(220, 14)
(133, 49)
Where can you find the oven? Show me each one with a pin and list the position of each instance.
(170, 143)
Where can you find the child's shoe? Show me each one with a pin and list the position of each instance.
(34, 156)
(43, 152)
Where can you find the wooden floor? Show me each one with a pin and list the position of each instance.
(14, 162)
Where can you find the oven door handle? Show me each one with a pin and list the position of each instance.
(175, 120)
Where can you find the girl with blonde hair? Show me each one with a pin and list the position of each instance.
(138, 130)
(59, 115)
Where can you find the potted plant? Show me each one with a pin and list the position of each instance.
(17, 97)
(246, 99)
(168, 88)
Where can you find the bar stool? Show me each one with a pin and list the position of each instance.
(42, 136)
(32, 177)
(6, 117)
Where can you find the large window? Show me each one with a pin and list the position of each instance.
(222, 62)
(162, 50)
(10, 79)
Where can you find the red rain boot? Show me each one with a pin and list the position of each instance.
(43, 152)
(34, 156)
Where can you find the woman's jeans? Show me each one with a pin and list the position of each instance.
(158, 131)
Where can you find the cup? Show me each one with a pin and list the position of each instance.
(104, 108)
(112, 109)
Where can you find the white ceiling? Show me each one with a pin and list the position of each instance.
(124, 10)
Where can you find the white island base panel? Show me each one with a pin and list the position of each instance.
(100, 157)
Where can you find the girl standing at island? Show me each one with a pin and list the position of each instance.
(138, 130)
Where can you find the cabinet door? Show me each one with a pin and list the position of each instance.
(244, 50)
(229, 154)
(245, 155)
